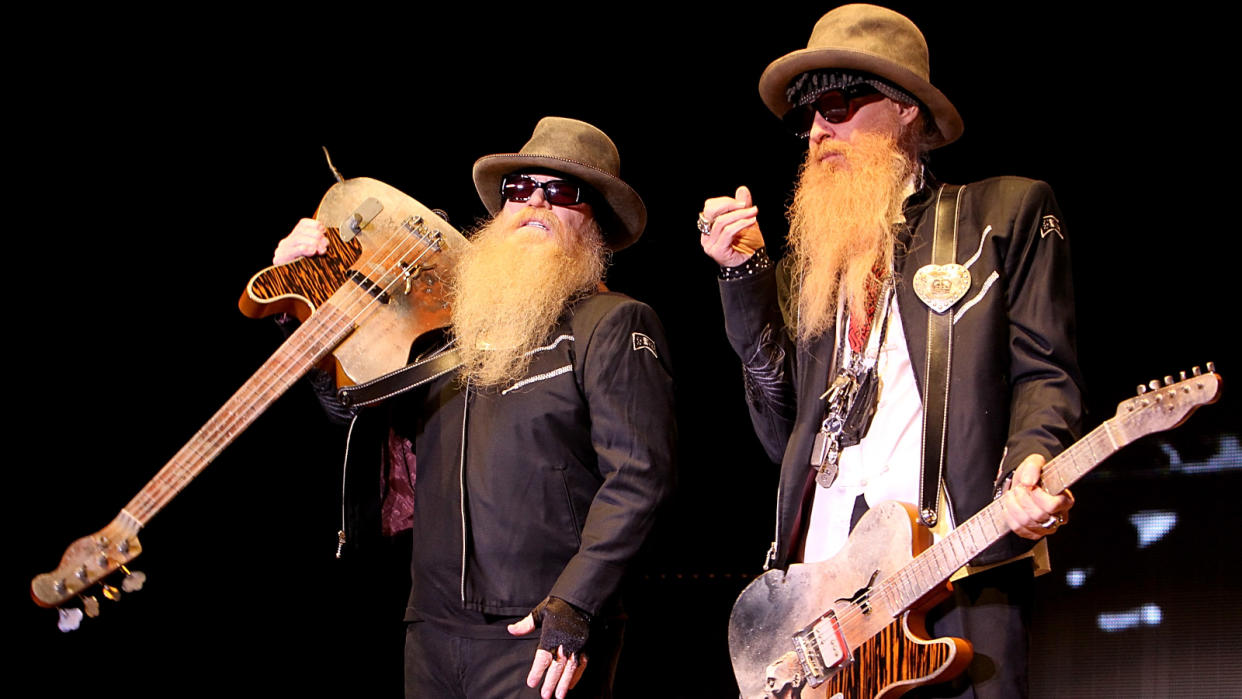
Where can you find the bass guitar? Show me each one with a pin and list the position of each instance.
(376, 289)
(852, 626)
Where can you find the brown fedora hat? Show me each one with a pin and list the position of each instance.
(579, 150)
(873, 40)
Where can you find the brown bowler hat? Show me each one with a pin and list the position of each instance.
(873, 40)
(579, 150)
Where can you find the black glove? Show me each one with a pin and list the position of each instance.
(564, 625)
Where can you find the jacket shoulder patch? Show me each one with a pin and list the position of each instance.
(642, 342)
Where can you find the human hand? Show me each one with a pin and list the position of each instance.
(560, 655)
(309, 237)
(1030, 511)
(734, 230)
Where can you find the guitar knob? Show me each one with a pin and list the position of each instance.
(70, 619)
(133, 581)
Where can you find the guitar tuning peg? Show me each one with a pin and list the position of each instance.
(1181, 375)
(1211, 367)
(111, 593)
(70, 619)
(133, 581)
(1168, 380)
(1195, 371)
(91, 606)
(1142, 389)
(1153, 384)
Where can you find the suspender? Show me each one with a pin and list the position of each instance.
(939, 358)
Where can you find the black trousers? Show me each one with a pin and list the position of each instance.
(440, 664)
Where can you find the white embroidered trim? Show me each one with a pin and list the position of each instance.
(559, 339)
(540, 377)
(982, 239)
(978, 297)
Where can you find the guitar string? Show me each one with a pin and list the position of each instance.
(1066, 467)
(390, 255)
(286, 369)
(281, 372)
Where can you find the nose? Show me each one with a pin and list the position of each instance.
(821, 128)
(539, 200)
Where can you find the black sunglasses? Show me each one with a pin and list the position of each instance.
(835, 106)
(521, 188)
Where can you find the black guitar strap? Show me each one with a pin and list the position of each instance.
(939, 358)
(401, 380)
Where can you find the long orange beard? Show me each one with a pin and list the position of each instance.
(510, 287)
(841, 225)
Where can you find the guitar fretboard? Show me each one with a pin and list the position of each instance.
(306, 346)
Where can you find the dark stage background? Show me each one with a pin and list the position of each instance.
(151, 172)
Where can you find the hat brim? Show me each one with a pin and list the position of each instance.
(780, 72)
(623, 221)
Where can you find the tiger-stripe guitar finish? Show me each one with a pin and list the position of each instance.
(852, 626)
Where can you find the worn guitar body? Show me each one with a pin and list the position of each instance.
(890, 655)
(417, 304)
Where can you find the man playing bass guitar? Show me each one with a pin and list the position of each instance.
(541, 460)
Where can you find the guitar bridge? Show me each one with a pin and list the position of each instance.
(822, 648)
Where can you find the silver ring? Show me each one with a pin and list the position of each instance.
(705, 226)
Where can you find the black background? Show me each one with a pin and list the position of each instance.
(154, 161)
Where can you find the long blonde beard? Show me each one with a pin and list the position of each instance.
(510, 287)
(841, 225)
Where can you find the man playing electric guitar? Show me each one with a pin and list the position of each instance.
(916, 343)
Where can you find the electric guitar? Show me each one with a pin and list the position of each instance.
(376, 289)
(852, 626)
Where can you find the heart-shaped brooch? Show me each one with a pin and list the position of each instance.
(941, 286)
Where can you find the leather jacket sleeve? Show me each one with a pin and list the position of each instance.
(759, 334)
(628, 386)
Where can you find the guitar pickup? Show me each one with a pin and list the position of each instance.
(368, 286)
(822, 648)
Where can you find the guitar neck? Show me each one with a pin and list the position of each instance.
(304, 348)
(988, 526)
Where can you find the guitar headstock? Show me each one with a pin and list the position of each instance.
(88, 561)
(1161, 405)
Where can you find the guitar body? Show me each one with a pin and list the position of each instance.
(416, 305)
(890, 651)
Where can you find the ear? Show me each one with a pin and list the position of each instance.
(907, 113)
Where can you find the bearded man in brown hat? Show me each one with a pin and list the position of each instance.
(540, 461)
(883, 335)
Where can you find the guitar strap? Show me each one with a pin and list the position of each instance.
(401, 380)
(939, 356)
(587, 314)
